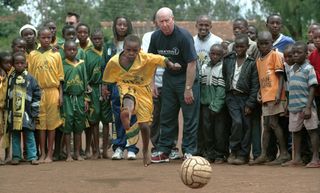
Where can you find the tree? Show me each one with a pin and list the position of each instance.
(296, 14)
(11, 20)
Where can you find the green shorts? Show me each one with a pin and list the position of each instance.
(73, 114)
(99, 110)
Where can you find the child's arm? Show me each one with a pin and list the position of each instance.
(255, 86)
(36, 97)
(280, 86)
(172, 66)
(307, 109)
(60, 94)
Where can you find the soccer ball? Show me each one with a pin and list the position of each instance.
(195, 172)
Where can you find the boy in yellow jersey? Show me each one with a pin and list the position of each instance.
(46, 66)
(5, 68)
(133, 72)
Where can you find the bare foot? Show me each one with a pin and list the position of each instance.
(69, 159)
(42, 158)
(48, 160)
(105, 154)
(124, 116)
(146, 160)
(79, 158)
(95, 156)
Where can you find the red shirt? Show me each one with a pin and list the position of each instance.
(314, 59)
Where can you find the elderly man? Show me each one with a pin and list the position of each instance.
(180, 88)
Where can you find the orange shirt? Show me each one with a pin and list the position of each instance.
(267, 67)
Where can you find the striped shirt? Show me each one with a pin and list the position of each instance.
(300, 82)
(212, 75)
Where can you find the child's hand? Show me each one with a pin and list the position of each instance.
(277, 100)
(89, 89)
(247, 111)
(105, 92)
(55, 48)
(176, 66)
(86, 106)
(259, 99)
(307, 113)
(155, 92)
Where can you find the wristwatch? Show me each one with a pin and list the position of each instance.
(188, 87)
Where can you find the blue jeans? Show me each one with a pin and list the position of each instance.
(30, 145)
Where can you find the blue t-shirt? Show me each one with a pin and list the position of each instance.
(177, 47)
(282, 42)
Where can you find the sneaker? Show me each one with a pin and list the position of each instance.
(240, 161)
(15, 162)
(174, 154)
(159, 157)
(131, 155)
(118, 154)
(231, 158)
(187, 156)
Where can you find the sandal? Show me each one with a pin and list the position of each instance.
(313, 165)
(292, 163)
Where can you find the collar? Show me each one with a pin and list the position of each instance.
(277, 40)
(205, 38)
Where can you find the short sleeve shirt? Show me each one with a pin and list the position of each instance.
(267, 67)
(300, 82)
(177, 47)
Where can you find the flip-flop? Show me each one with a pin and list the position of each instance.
(313, 165)
(292, 164)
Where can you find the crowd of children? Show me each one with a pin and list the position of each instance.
(51, 90)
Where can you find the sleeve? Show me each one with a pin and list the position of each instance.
(312, 78)
(60, 68)
(278, 63)
(110, 72)
(255, 86)
(155, 60)
(219, 99)
(146, 41)
(188, 50)
(36, 97)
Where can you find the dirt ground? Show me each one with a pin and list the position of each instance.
(126, 176)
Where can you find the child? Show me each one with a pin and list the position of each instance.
(270, 69)
(241, 78)
(213, 112)
(18, 45)
(100, 109)
(46, 66)
(74, 103)
(83, 32)
(252, 32)
(55, 42)
(302, 108)
(22, 104)
(121, 28)
(133, 72)
(311, 48)
(29, 33)
(69, 33)
(5, 70)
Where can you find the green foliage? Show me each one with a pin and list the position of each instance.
(11, 21)
(296, 14)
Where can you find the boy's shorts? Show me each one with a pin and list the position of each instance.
(296, 121)
(94, 107)
(73, 114)
(269, 108)
(49, 116)
(143, 101)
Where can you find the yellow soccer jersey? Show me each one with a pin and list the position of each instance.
(46, 68)
(140, 73)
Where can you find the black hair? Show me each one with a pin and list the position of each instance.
(242, 37)
(264, 33)
(289, 46)
(255, 28)
(244, 21)
(43, 29)
(132, 38)
(49, 21)
(3, 55)
(129, 24)
(66, 27)
(16, 40)
(95, 31)
(203, 16)
(69, 42)
(274, 15)
(301, 44)
(70, 14)
(83, 24)
(14, 55)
